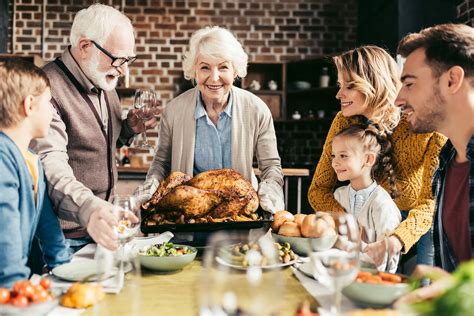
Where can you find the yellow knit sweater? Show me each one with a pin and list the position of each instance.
(416, 158)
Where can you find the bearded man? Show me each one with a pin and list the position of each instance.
(78, 155)
(438, 95)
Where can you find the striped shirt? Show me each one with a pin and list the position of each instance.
(357, 199)
(444, 256)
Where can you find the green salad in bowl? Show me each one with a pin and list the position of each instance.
(166, 257)
(167, 249)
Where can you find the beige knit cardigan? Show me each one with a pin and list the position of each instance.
(253, 134)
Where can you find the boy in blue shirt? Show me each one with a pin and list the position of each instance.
(25, 208)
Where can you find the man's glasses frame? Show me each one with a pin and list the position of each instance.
(116, 61)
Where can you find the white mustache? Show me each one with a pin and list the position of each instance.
(113, 73)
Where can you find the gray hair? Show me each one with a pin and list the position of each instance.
(96, 23)
(214, 42)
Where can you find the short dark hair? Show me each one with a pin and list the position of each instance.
(446, 45)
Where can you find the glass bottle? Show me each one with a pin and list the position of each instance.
(125, 159)
(324, 78)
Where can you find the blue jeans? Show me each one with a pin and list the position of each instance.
(76, 244)
(424, 246)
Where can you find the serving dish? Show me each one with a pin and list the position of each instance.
(376, 295)
(268, 266)
(265, 222)
(168, 263)
(303, 246)
(33, 309)
(30, 297)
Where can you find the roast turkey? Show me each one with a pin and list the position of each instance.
(214, 195)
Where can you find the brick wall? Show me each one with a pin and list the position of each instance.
(466, 12)
(300, 142)
(269, 30)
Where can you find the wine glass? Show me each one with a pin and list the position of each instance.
(148, 106)
(392, 257)
(337, 268)
(119, 272)
(389, 256)
(127, 212)
(234, 282)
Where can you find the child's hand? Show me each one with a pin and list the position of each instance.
(377, 251)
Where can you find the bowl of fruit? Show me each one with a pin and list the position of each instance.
(28, 297)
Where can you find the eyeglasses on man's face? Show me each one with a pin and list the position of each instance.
(116, 61)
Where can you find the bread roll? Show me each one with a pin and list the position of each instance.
(328, 218)
(307, 227)
(314, 227)
(279, 218)
(82, 295)
(289, 229)
(299, 218)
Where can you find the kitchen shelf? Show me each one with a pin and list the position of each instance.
(267, 92)
(330, 89)
(288, 99)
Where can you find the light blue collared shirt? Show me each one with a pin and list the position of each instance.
(357, 199)
(213, 146)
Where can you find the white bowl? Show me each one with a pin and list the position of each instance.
(375, 295)
(303, 246)
(169, 263)
(33, 309)
(302, 85)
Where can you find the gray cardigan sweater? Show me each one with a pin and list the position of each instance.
(253, 134)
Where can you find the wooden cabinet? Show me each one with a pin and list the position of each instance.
(271, 81)
(305, 93)
(298, 87)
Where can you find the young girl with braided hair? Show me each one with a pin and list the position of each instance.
(368, 80)
(359, 154)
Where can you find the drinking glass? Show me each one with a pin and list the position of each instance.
(148, 106)
(392, 257)
(389, 256)
(119, 272)
(337, 268)
(127, 212)
(234, 279)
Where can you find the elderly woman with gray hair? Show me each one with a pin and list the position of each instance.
(216, 125)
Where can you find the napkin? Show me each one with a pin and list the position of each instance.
(105, 258)
(322, 294)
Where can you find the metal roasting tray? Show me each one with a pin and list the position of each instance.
(210, 227)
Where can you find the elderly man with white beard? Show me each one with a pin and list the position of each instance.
(78, 155)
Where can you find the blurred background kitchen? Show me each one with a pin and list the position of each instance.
(289, 42)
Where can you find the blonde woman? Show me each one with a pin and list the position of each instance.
(368, 81)
(217, 125)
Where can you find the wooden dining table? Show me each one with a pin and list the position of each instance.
(177, 293)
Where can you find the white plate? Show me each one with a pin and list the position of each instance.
(239, 267)
(307, 269)
(83, 270)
